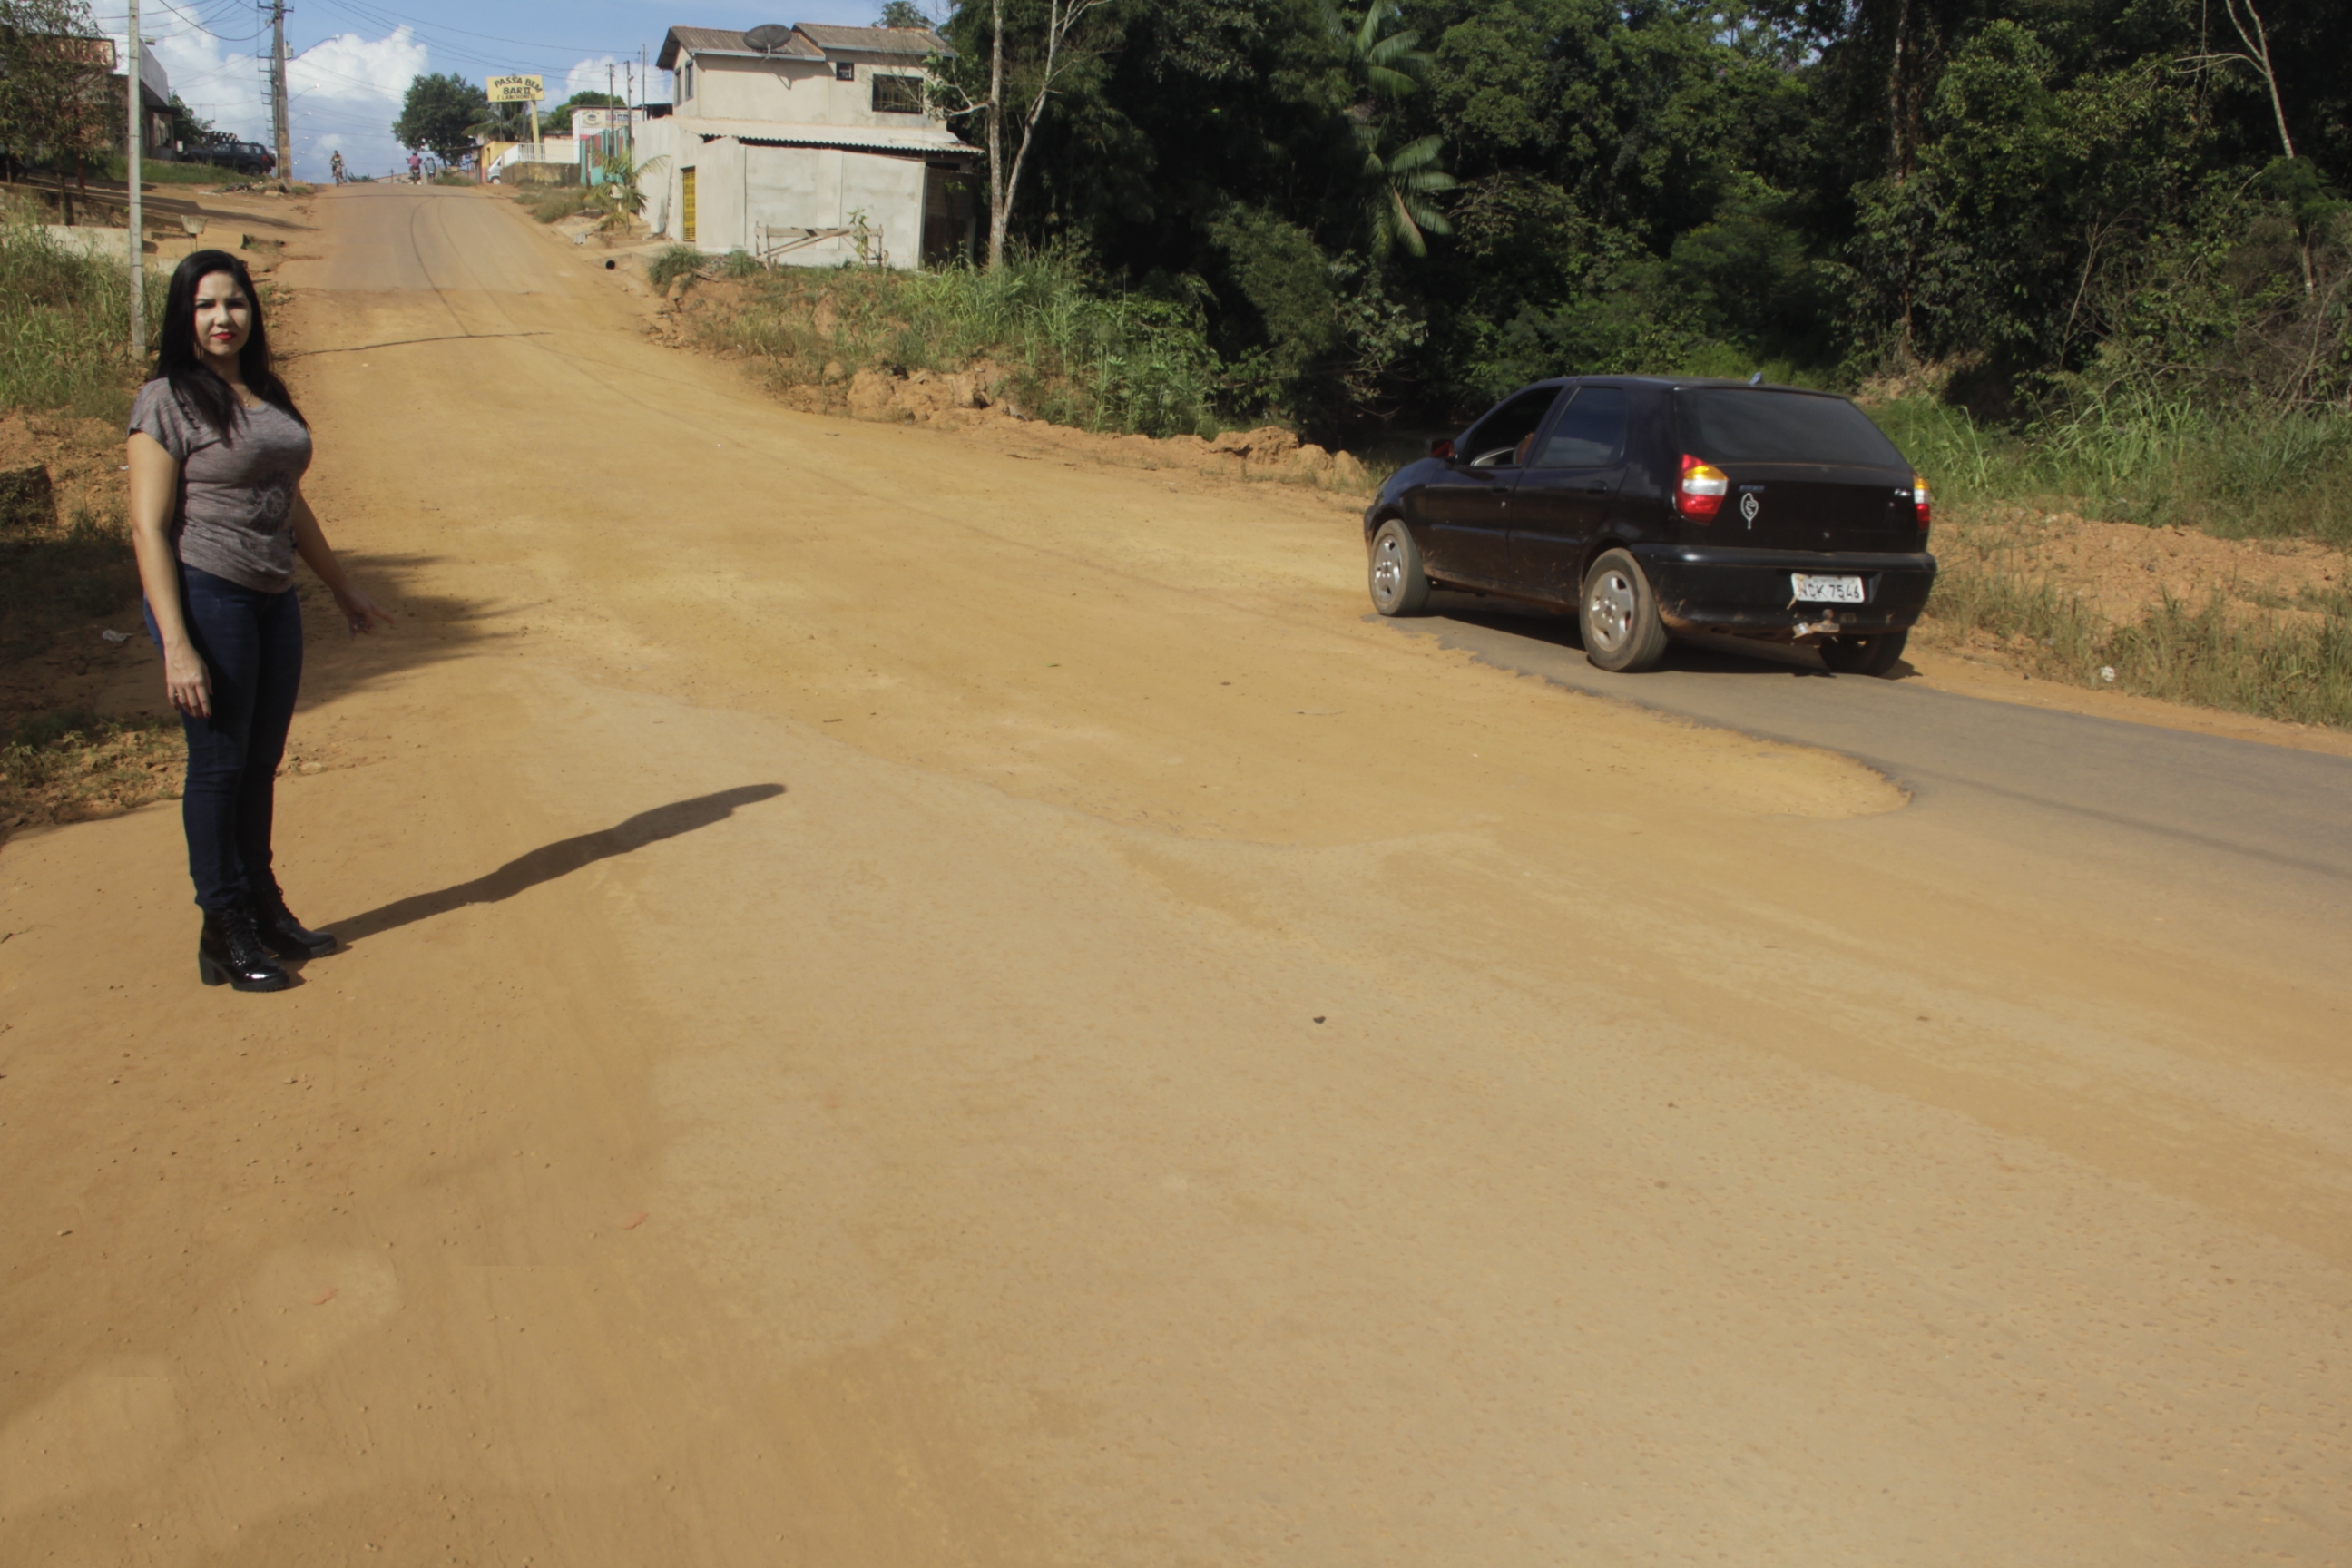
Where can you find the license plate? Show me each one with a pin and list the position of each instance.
(1815, 590)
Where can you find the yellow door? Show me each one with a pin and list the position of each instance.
(686, 206)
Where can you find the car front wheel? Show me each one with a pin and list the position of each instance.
(1865, 656)
(1618, 615)
(1400, 587)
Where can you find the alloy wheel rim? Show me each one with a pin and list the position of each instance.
(1612, 610)
(1388, 572)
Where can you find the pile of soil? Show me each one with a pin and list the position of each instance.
(2124, 569)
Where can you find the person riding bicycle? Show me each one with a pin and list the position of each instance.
(337, 163)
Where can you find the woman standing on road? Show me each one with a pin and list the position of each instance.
(218, 451)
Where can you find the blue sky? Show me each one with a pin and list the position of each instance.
(352, 59)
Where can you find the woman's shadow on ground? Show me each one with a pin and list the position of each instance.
(561, 859)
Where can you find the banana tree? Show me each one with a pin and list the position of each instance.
(620, 187)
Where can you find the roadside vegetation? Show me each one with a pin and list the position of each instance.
(168, 172)
(1040, 329)
(64, 338)
(2287, 658)
(2090, 256)
(66, 765)
(552, 203)
(65, 564)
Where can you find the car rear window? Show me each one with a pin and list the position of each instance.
(1737, 426)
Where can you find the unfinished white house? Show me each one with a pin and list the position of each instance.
(808, 145)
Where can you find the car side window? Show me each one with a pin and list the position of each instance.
(1496, 441)
(1591, 431)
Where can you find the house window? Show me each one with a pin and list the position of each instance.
(844, 71)
(687, 88)
(898, 95)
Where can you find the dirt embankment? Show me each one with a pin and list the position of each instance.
(81, 734)
(2123, 570)
(699, 314)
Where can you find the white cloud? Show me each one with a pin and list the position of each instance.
(591, 75)
(342, 94)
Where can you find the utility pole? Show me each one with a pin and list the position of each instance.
(132, 149)
(278, 89)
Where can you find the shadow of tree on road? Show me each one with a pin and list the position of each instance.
(561, 858)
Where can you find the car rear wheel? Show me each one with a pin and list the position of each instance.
(1865, 656)
(1618, 615)
(1400, 587)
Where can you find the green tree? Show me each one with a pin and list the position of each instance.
(557, 122)
(1288, 283)
(189, 129)
(1385, 63)
(902, 13)
(438, 113)
(620, 189)
(55, 106)
(1054, 48)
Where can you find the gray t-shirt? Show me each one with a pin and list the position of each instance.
(234, 515)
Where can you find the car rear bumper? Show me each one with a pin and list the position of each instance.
(1748, 593)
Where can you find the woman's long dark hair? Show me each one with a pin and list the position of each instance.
(205, 394)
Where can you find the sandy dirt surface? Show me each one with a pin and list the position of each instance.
(914, 1003)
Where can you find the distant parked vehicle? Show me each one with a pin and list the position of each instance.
(251, 158)
(1659, 508)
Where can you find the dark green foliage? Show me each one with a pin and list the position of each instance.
(1276, 267)
(2055, 199)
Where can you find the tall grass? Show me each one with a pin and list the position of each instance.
(2237, 474)
(2293, 668)
(65, 323)
(167, 171)
(550, 203)
(1064, 350)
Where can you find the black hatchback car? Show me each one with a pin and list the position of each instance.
(1657, 506)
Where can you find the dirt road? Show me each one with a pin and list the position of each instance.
(912, 1004)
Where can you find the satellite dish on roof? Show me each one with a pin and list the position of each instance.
(768, 37)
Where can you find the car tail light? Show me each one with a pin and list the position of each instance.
(1699, 495)
(1920, 500)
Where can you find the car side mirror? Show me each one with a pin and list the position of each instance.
(1442, 447)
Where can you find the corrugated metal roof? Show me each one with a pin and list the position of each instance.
(809, 41)
(720, 41)
(915, 41)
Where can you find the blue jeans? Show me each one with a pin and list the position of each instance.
(251, 643)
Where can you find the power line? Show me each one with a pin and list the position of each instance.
(354, 5)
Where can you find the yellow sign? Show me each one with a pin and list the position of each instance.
(517, 90)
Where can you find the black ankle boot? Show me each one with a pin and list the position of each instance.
(284, 935)
(230, 952)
